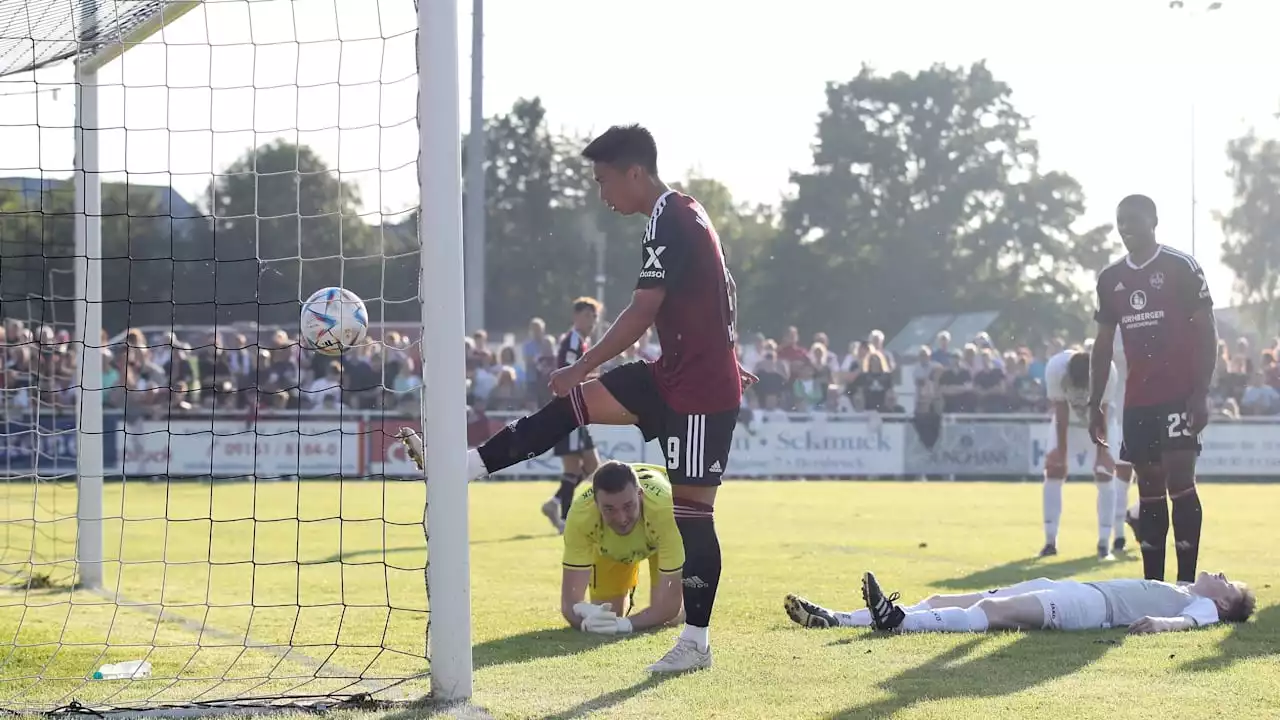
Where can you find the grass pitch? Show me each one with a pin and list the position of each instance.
(814, 538)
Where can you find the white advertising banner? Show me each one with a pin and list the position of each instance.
(267, 449)
(833, 447)
(1245, 449)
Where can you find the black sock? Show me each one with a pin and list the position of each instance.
(1153, 528)
(532, 435)
(1187, 517)
(701, 576)
(568, 486)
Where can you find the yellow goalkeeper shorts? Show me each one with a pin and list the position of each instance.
(611, 579)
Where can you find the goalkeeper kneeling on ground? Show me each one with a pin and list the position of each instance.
(625, 515)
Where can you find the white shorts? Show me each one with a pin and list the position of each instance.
(1078, 435)
(1067, 604)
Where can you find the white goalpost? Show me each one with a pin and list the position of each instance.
(235, 525)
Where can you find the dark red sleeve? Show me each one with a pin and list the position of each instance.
(667, 251)
(1104, 315)
(1192, 288)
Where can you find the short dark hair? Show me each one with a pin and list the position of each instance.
(1140, 202)
(585, 302)
(1242, 609)
(623, 146)
(1078, 369)
(613, 476)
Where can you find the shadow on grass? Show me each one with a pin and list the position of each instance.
(1254, 639)
(1018, 571)
(538, 644)
(611, 699)
(1019, 666)
(353, 554)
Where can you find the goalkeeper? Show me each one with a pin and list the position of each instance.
(624, 516)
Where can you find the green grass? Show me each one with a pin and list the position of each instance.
(813, 538)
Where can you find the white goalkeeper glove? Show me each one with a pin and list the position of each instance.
(413, 445)
(585, 610)
(606, 623)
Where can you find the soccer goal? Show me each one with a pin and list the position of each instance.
(197, 512)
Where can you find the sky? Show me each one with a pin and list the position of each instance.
(731, 90)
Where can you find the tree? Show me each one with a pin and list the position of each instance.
(537, 253)
(926, 195)
(285, 225)
(1251, 227)
(142, 281)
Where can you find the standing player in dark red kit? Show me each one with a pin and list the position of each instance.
(1159, 299)
(688, 399)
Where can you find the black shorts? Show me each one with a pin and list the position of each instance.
(696, 447)
(575, 443)
(1148, 431)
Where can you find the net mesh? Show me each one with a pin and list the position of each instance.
(36, 33)
(263, 534)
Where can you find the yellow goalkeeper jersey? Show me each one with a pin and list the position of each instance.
(587, 538)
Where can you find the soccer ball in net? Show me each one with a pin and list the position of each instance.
(334, 320)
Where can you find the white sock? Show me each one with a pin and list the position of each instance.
(475, 465)
(971, 619)
(700, 636)
(854, 618)
(1052, 510)
(1106, 511)
(862, 618)
(1120, 489)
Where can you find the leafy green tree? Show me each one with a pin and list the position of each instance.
(142, 280)
(1251, 227)
(927, 195)
(285, 225)
(537, 256)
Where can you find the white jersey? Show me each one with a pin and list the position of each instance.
(1059, 389)
(1131, 600)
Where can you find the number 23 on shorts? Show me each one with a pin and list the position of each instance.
(1177, 425)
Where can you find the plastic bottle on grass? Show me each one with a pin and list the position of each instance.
(133, 669)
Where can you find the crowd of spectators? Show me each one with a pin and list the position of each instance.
(228, 371)
(148, 376)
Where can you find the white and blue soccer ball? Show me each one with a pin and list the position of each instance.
(333, 321)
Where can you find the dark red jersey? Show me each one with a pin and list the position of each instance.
(1152, 305)
(698, 370)
(573, 345)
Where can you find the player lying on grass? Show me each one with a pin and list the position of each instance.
(1144, 606)
(624, 516)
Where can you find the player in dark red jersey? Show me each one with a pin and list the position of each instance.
(687, 399)
(1159, 299)
(577, 451)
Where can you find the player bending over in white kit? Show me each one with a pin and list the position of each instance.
(1143, 606)
(1066, 378)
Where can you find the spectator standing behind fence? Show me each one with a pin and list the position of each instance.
(1259, 398)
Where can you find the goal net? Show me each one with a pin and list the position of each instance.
(193, 505)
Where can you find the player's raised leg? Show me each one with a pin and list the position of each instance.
(533, 435)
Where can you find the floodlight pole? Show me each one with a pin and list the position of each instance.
(1195, 14)
(441, 294)
(474, 227)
